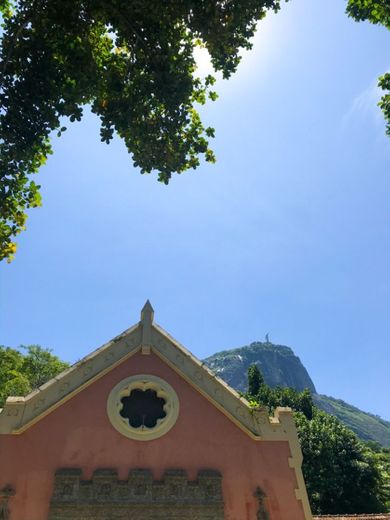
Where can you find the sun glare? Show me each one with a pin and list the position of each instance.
(203, 62)
(253, 61)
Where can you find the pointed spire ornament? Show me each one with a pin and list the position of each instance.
(147, 315)
(147, 312)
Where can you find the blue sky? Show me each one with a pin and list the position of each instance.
(288, 234)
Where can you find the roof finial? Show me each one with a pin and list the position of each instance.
(147, 313)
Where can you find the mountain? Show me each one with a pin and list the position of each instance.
(281, 367)
(278, 364)
(367, 426)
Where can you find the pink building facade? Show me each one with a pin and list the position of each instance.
(141, 429)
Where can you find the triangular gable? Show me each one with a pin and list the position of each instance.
(20, 413)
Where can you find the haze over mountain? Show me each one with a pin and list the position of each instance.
(281, 367)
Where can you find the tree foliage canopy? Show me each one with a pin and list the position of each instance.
(342, 474)
(255, 380)
(133, 62)
(21, 373)
(377, 12)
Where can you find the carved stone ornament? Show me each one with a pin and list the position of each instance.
(5, 494)
(262, 513)
(106, 498)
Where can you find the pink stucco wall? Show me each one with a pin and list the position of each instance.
(79, 434)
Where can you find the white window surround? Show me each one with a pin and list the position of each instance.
(143, 382)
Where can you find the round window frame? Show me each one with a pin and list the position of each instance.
(143, 382)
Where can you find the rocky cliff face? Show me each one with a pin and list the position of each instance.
(281, 367)
(278, 364)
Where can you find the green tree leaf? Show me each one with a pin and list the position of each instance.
(21, 373)
(132, 62)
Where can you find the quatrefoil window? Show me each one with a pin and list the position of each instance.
(143, 407)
